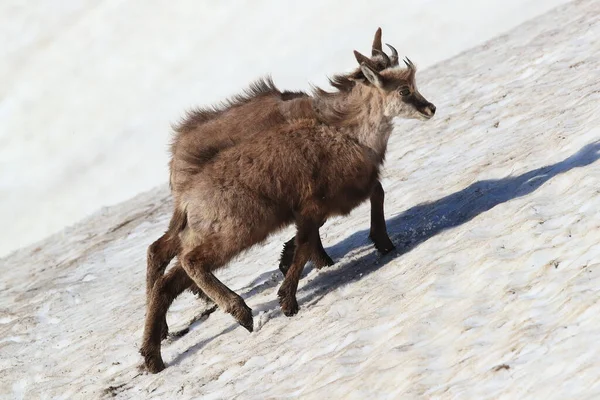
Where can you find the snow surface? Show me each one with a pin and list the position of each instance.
(88, 89)
(493, 293)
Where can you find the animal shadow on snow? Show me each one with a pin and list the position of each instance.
(413, 227)
(422, 222)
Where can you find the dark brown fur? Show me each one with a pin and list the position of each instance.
(205, 132)
(247, 191)
(192, 152)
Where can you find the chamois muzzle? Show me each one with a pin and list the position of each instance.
(420, 104)
(428, 111)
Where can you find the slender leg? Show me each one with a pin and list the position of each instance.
(166, 288)
(307, 237)
(318, 254)
(198, 264)
(159, 255)
(176, 270)
(378, 233)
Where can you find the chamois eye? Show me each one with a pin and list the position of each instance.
(404, 92)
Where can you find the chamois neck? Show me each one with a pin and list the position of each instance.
(360, 114)
(373, 127)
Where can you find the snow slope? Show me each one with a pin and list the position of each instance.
(493, 292)
(88, 89)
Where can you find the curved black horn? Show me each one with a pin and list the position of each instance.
(394, 57)
(409, 63)
(387, 60)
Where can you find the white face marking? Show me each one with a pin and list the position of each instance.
(398, 108)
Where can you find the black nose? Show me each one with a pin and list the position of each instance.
(432, 108)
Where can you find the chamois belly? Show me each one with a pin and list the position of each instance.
(235, 214)
(348, 199)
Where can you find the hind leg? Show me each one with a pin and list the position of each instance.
(161, 252)
(307, 238)
(165, 290)
(176, 271)
(159, 255)
(199, 264)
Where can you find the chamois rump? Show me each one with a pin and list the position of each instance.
(245, 192)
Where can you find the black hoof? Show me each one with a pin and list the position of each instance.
(287, 301)
(383, 245)
(243, 315)
(154, 364)
(289, 307)
(152, 361)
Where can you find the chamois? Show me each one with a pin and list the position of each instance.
(302, 172)
(206, 132)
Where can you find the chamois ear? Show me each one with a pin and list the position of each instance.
(372, 76)
(363, 59)
(376, 42)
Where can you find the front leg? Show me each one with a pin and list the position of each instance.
(378, 233)
(318, 255)
(307, 237)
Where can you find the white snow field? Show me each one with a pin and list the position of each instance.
(88, 89)
(492, 294)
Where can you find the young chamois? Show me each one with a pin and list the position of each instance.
(303, 172)
(206, 132)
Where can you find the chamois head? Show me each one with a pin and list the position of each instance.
(397, 85)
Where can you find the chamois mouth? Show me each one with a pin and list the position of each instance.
(425, 117)
(428, 112)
